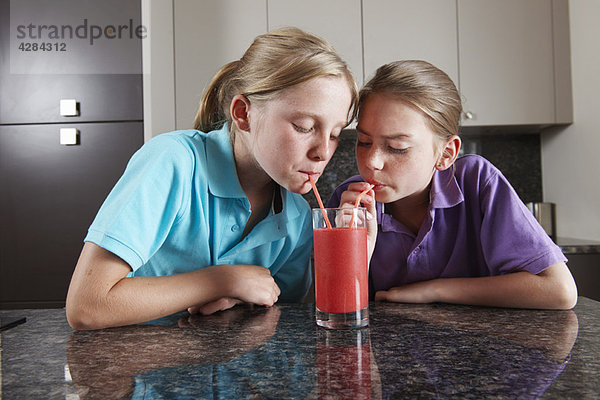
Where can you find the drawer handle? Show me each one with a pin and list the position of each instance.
(69, 136)
(68, 108)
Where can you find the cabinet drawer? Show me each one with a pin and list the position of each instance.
(92, 75)
(36, 98)
(50, 195)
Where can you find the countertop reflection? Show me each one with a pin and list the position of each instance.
(408, 351)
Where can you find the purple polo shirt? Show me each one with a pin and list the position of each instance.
(476, 225)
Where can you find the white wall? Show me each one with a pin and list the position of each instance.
(158, 67)
(571, 155)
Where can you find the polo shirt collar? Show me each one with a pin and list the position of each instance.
(222, 176)
(291, 204)
(445, 192)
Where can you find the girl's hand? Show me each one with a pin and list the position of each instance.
(348, 199)
(222, 304)
(239, 284)
(418, 292)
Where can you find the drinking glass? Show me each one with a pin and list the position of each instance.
(341, 267)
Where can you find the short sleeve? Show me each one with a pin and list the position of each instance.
(511, 238)
(139, 212)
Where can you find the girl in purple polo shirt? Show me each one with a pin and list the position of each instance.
(444, 229)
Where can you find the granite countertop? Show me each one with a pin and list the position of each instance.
(408, 351)
(578, 246)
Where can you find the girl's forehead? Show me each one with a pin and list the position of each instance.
(320, 96)
(323, 82)
(391, 117)
(383, 99)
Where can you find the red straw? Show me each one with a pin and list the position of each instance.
(357, 202)
(316, 192)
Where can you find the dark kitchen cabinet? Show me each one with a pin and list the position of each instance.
(585, 268)
(52, 185)
(50, 195)
(27, 97)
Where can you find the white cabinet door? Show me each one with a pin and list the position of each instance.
(506, 61)
(207, 35)
(500, 53)
(408, 29)
(337, 21)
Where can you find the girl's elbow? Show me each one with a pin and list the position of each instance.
(81, 318)
(566, 295)
(76, 319)
(571, 297)
(560, 287)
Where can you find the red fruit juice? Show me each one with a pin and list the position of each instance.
(341, 269)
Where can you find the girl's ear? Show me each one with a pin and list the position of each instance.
(240, 112)
(449, 153)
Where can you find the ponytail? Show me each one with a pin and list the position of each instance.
(211, 113)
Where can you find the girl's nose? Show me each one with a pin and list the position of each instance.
(374, 159)
(322, 150)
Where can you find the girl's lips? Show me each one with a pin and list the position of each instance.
(376, 185)
(315, 175)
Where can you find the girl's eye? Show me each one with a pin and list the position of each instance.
(362, 144)
(394, 150)
(335, 135)
(301, 130)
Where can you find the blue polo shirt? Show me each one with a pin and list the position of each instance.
(179, 207)
(476, 225)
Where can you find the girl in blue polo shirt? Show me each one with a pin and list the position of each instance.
(208, 218)
(443, 229)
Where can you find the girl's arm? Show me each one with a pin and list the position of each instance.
(553, 288)
(100, 295)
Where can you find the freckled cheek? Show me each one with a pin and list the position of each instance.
(286, 152)
(402, 170)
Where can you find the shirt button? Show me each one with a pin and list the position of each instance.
(234, 228)
(417, 249)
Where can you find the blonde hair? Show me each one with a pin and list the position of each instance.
(275, 61)
(423, 86)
